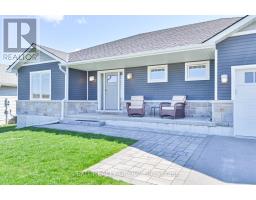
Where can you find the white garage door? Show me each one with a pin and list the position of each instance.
(245, 102)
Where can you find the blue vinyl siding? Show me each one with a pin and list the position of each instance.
(176, 85)
(77, 85)
(57, 80)
(92, 86)
(239, 50)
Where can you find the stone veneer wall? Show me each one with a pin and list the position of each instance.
(222, 113)
(79, 107)
(40, 108)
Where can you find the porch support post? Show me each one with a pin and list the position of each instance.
(216, 75)
(87, 85)
(66, 77)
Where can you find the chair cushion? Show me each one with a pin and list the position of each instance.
(135, 107)
(178, 99)
(168, 108)
(137, 102)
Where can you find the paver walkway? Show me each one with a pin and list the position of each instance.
(155, 159)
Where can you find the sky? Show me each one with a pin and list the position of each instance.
(71, 33)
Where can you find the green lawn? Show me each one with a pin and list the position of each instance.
(43, 156)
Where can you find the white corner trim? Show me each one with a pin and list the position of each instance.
(150, 68)
(216, 75)
(243, 33)
(233, 76)
(199, 63)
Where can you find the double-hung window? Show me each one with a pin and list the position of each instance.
(40, 85)
(197, 71)
(157, 74)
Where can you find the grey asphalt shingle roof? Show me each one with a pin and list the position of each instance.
(60, 54)
(156, 40)
(190, 34)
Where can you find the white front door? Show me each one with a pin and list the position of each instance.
(245, 102)
(111, 90)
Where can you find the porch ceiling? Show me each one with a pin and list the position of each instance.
(173, 57)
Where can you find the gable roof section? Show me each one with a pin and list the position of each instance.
(54, 53)
(60, 54)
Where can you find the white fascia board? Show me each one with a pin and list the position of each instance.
(244, 33)
(147, 53)
(232, 29)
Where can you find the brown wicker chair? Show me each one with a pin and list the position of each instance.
(175, 109)
(136, 107)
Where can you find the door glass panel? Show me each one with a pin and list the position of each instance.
(112, 79)
(248, 77)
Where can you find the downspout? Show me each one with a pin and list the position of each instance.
(66, 90)
(216, 75)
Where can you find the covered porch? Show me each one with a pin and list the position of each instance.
(111, 82)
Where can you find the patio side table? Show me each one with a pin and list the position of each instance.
(153, 110)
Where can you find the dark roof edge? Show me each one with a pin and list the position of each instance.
(225, 28)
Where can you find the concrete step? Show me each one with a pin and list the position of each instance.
(160, 127)
(83, 122)
(170, 128)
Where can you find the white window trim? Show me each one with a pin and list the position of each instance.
(190, 64)
(30, 81)
(165, 79)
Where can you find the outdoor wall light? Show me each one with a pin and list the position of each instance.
(91, 78)
(129, 76)
(224, 78)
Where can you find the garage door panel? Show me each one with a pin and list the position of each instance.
(245, 103)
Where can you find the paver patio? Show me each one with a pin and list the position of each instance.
(154, 159)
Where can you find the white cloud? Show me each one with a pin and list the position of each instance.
(53, 18)
(81, 20)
